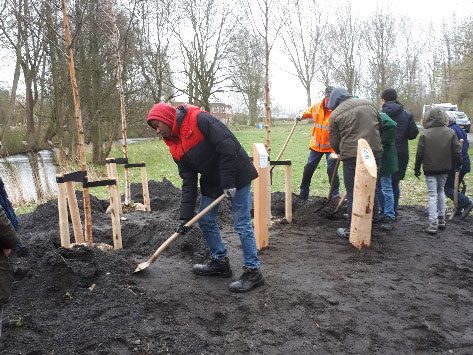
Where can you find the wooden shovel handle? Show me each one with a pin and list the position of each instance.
(173, 237)
(285, 143)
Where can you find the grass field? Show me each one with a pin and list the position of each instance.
(160, 164)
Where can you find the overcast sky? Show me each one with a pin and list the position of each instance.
(286, 91)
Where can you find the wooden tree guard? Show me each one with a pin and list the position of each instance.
(78, 120)
(74, 210)
(261, 196)
(144, 184)
(288, 190)
(112, 173)
(115, 214)
(363, 196)
(62, 209)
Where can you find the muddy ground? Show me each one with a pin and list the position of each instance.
(409, 293)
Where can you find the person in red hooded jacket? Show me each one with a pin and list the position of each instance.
(202, 145)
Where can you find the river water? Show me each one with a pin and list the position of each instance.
(29, 177)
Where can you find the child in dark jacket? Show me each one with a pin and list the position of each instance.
(438, 150)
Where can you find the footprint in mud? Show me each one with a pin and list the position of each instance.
(425, 338)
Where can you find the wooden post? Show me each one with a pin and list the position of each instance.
(363, 196)
(261, 196)
(115, 214)
(113, 174)
(144, 184)
(74, 210)
(288, 190)
(62, 209)
(78, 121)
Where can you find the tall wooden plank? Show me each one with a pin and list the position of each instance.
(74, 210)
(115, 214)
(261, 196)
(363, 196)
(288, 191)
(144, 184)
(62, 209)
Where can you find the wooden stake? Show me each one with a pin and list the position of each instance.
(288, 190)
(363, 196)
(74, 210)
(115, 214)
(62, 209)
(144, 184)
(116, 42)
(79, 127)
(261, 196)
(113, 174)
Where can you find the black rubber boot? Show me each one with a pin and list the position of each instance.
(214, 267)
(250, 279)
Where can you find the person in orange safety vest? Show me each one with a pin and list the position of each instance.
(319, 145)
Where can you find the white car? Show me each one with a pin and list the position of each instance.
(461, 118)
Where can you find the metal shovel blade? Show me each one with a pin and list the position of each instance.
(142, 266)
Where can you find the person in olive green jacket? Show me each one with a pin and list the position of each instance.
(389, 165)
(8, 240)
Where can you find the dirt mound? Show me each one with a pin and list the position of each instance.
(321, 294)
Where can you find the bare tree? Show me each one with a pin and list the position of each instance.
(380, 33)
(345, 41)
(211, 24)
(302, 37)
(246, 70)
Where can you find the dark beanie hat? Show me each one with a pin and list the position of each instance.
(389, 95)
(162, 112)
(328, 90)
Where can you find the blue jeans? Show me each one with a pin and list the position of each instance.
(241, 206)
(436, 196)
(386, 196)
(312, 162)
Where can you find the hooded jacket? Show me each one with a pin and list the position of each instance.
(466, 164)
(438, 149)
(201, 144)
(321, 114)
(406, 129)
(351, 120)
(389, 163)
(8, 240)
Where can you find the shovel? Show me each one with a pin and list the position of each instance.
(456, 185)
(285, 144)
(332, 182)
(144, 265)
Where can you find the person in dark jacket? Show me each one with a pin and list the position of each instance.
(406, 130)
(351, 120)
(201, 144)
(438, 150)
(465, 205)
(389, 166)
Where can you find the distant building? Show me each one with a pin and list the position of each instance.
(222, 111)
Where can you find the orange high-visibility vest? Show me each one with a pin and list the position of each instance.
(319, 141)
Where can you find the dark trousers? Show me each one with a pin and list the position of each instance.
(463, 201)
(312, 162)
(349, 168)
(397, 193)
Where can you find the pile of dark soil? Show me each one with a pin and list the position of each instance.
(410, 292)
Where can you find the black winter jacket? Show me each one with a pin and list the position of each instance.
(8, 240)
(219, 158)
(406, 130)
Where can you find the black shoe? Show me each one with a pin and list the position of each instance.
(441, 223)
(467, 210)
(214, 267)
(250, 279)
(387, 224)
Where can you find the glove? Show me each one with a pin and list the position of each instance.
(298, 118)
(230, 193)
(183, 229)
(417, 174)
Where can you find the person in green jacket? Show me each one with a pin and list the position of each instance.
(389, 165)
